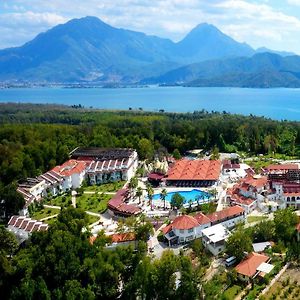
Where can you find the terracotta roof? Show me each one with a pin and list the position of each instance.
(27, 224)
(249, 266)
(202, 219)
(117, 203)
(297, 194)
(282, 167)
(256, 182)
(184, 222)
(122, 237)
(70, 167)
(225, 213)
(195, 170)
(156, 176)
(167, 229)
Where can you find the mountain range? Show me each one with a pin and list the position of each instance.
(89, 50)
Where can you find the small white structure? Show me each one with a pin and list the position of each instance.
(22, 227)
(214, 238)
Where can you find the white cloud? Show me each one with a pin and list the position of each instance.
(257, 23)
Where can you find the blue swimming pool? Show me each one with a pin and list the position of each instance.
(194, 195)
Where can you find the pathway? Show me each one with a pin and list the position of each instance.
(74, 198)
(48, 218)
(94, 192)
(52, 206)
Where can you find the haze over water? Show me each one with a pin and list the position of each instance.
(273, 103)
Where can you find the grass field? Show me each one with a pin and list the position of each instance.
(44, 213)
(252, 219)
(107, 187)
(62, 201)
(232, 292)
(93, 202)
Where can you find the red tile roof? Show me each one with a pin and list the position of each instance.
(70, 167)
(256, 181)
(122, 237)
(195, 170)
(225, 213)
(185, 222)
(202, 219)
(282, 167)
(249, 266)
(117, 204)
(27, 224)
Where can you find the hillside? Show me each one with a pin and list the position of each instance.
(261, 70)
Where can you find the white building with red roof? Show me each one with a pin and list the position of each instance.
(72, 172)
(254, 265)
(186, 228)
(22, 227)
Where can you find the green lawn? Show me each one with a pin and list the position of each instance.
(93, 202)
(93, 219)
(232, 292)
(62, 201)
(107, 187)
(252, 219)
(44, 213)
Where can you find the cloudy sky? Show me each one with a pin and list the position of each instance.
(271, 23)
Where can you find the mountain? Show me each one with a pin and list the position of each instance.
(281, 53)
(262, 70)
(207, 42)
(88, 49)
(84, 49)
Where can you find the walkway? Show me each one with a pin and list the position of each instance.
(94, 192)
(74, 198)
(48, 218)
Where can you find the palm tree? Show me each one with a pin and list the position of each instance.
(139, 193)
(150, 193)
(163, 196)
(133, 183)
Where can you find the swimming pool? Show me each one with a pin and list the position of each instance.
(194, 195)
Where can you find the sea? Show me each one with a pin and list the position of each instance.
(279, 103)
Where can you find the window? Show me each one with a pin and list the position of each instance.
(190, 230)
(181, 230)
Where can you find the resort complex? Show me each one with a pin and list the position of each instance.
(184, 201)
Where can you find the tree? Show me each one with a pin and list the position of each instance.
(163, 196)
(176, 154)
(238, 243)
(11, 201)
(145, 149)
(188, 286)
(139, 193)
(150, 193)
(215, 153)
(133, 183)
(264, 231)
(8, 242)
(285, 221)
(177, 201)
(143, 231)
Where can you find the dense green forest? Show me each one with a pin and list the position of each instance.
(35, 138)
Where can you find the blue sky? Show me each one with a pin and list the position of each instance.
(271, 23)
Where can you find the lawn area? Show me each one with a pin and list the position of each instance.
(106, 187)
(93, 202)
(252, 219)
(44, 213)
(232, 292)
(62, 201)
(93, 219)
